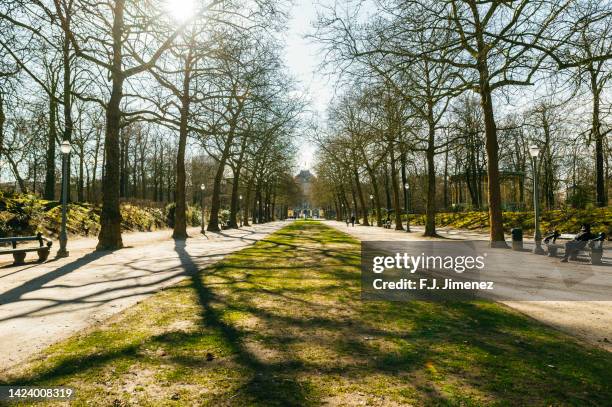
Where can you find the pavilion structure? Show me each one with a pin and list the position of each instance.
(305, 209)
(464, 189)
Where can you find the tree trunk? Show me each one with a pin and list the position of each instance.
(396, 192)
(215, 205)
(337, 206)
(259, 205)
(387, 189)
(233, 223)
(94, 196)
(180, 223)
(372, 176)
(80, 185)
(67, 91)
(354, 211)
(2, 121)
(446, 179)
(600, 185)
(233, 219)
(496, 233)
(245, 209)
(50, 156)
(430, 210)
(361, 199)
(110, 218)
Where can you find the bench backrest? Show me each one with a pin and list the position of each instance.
(16, 239)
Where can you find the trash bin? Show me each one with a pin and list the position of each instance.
(517, 238)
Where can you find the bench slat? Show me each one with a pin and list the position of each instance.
(30, 249)
(18, 239)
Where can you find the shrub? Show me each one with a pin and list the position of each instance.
(565, 220)
(26, 215)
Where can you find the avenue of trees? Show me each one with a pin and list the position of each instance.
(154, 101)
(436, 89)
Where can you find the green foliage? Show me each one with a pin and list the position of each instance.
(192, 215)
(567, 220)
(24, 215)
(142, 219)
(224, 216)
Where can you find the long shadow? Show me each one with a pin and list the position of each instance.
(264, 384)
(14, 294)
(41, 282)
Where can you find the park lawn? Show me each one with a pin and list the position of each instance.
(282, 323)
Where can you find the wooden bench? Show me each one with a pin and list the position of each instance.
(593, 247)
(43, 249)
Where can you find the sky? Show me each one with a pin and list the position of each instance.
(302, 59)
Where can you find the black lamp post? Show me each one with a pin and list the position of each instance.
(203, 188)
(372, 206)
(239, 208)
(65, 148)
(534, 152)
(406, 200)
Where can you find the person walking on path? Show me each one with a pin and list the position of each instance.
(353, 220)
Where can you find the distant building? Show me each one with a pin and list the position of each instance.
(305, 209)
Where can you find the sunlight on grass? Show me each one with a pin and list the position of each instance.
(282, 323)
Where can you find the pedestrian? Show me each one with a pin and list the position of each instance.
(353, 220)
(347, 222)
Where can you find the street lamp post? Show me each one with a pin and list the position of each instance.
(372, 206)
(65, 148)
(534, 151)
(203, 230)
(406, 189)
(258, 212)
(239, 208)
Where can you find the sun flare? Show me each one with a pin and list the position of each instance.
(181, 10)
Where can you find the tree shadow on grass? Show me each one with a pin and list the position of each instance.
(265, 383)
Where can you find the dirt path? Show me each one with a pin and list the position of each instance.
(43, 303)
(591, 321)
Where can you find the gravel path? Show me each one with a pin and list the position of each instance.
(43, 303)
(590, 321)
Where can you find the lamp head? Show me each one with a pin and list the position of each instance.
(534, 151)
(65, 147)
(371, 196)
(202, 187)
(407, 186)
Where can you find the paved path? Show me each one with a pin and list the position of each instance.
(590, 321)
(43, 303)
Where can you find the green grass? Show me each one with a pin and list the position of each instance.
(284, 325)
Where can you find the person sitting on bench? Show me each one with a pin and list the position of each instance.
(580, 241)
(388, 222)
